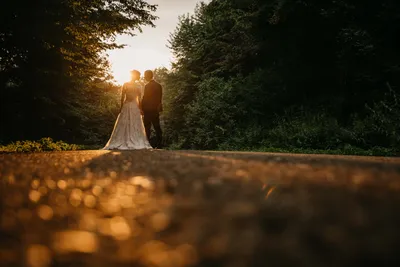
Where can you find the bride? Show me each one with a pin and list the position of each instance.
(129, 131)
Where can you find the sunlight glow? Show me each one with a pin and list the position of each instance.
(139, 58)
(148, 50)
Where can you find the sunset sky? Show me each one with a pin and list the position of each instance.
(148, 50)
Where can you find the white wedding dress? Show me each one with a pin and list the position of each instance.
(129, 133)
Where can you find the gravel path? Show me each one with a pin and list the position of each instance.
(188, 208)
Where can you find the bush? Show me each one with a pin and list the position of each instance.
(44, 144)
(307, 131)
(300, 131)
(381, 127)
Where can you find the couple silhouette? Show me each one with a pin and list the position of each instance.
(139, 112)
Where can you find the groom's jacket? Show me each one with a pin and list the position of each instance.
(152, 96)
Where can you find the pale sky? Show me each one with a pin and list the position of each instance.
(148, 50)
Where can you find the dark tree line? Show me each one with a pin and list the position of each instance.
(320, 74)
(249, 74)
(54, 77)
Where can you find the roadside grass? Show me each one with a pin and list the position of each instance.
(346, 150)
(48, 144)
(376, 151)
(44, 144)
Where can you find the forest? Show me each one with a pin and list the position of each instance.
(257, 75)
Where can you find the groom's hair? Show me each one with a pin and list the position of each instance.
(148, 74)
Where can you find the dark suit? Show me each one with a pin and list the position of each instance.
(151, 106)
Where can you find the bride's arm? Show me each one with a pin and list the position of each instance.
(123, 92)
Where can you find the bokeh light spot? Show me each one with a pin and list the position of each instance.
(126, 202)
(90, 201)
(35, 184)
(160, 221)
(97, 190)
(120, 228)
(62, 184)
(51, 184)
(38, 256)
(76, 197)
(34, 196)
(45, 212)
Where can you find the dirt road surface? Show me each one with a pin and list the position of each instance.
(187, 208)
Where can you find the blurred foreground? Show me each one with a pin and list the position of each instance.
(164, 208)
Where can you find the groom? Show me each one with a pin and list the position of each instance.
(152, 106)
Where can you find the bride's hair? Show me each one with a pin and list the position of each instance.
(136, 73)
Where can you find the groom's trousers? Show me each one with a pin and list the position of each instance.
(153, 118)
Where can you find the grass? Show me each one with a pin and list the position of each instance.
(48, 144)
(353, 151)
(44, 144)
(346, 150)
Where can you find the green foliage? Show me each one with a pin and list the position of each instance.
(44, 144)
(212, 114)
(306, 75)
(307, 131)
(382, 124)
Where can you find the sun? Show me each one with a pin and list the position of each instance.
(142, 59)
